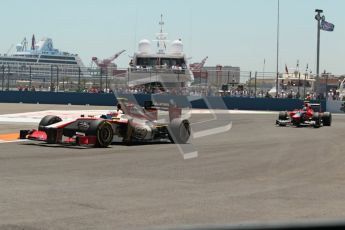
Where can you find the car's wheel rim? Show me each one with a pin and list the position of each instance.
(185, 131)
(105, 134)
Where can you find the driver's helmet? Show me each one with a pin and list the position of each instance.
(306, 105)
(119, 108)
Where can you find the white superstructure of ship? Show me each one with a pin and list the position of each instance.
(167, 66)
(41, 57)
(294, 83)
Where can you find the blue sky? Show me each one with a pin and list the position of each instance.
(233, 32)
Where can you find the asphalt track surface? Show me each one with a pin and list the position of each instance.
(254, 172)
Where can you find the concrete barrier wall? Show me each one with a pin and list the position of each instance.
(183, 101)
(336, 106)
(56, 98)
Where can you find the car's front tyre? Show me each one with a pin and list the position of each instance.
(51, 132)
(103, 131)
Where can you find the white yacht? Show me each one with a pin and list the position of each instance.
(167, 66)
(341, 90)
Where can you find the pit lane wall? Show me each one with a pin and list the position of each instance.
(271, 104)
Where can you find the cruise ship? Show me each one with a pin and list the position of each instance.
(166, 67)
(42, 58)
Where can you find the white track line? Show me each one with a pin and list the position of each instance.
(19, 140)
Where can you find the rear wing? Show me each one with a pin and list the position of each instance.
(173, 110)
(316, 107)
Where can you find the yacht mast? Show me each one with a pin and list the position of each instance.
(161, 38)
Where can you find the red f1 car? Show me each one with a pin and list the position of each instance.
(129, 123)
(310, 115)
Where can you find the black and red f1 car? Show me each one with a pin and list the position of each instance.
(129, 123)
(309, 115)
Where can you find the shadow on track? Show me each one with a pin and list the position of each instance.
(73, 146)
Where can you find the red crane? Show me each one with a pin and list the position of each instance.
(198, 66)
(105, 63)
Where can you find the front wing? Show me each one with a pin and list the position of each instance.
(54, 136)
(290, 123)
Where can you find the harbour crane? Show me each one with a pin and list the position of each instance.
(105, 63)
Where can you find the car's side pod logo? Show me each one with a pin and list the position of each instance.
(83, 125)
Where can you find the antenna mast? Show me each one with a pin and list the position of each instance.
(161, 38)
(161, 23)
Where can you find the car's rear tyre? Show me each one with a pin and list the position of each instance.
(317, 120)
(179, 131)
(283, 115)
(327, 119)
(48, 120)
(103, 131)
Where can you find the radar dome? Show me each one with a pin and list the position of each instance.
(144, 46)
(177, 47)
(19, 47)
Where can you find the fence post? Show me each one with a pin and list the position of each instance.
(150, 86)
(250, 83)
(305, 79)
(3, 78)
(327, 85)
(8, 77)
(30, 78)
(299, 82)
(57, 78)
(100, 80)
(78, 79)
(256, 73)
(106, 80)
(51, 78)
(206, 81)
(127, 76)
